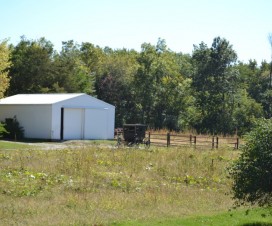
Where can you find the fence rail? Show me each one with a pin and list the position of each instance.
(169, 139)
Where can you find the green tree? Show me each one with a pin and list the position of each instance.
(270, 71)
(144, 82)
(71, 72)
(93, 57)
(246, 111)
(185, 64)
(114, 83)
(4, 67)
(255, 80)
(31, 69)
(251, 173)
(161, 90)
(214, 82)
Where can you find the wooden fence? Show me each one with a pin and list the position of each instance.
(169, 139)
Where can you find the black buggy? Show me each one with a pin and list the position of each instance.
(133, 135)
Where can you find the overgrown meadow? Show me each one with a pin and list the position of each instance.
(102, 185)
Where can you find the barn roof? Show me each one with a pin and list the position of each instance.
(39, 98)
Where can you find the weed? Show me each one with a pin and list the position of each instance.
(98, 185)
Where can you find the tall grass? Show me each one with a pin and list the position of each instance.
(101, 185)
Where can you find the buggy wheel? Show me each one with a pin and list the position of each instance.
(146, 142)
(119, 142)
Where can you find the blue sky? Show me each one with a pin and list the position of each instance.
(129, 23)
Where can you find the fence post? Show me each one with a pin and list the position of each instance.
(149, 137)
(190, 139)
(237, 143)
(217, 142)
(168, 139)
(195, 140)
(213, 142)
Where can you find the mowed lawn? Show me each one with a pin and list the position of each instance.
(253, 217)
(104, 185)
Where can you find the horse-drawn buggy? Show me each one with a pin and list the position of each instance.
(133, 135)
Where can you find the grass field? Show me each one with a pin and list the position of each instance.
(99, 185)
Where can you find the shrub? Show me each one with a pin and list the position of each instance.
(252, 172)
(13, 129)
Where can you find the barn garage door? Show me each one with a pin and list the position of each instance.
(95, 124)
(84, 123)
(73, 124)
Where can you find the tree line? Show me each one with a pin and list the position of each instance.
(208, 91)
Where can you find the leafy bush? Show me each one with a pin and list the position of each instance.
(13, 128)
(2, 130)
(252, 172)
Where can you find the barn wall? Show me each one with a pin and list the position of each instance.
(35, 119)
(89, 105)
(85, 101)
(111, 123)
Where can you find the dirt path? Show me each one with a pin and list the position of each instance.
(64, 144)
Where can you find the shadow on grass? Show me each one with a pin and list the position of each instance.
(28, 140)
(257, 224)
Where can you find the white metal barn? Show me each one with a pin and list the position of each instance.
(60, 116)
